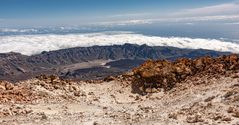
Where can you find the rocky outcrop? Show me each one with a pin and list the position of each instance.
(14, 93)
(165, 74)
(37, 89)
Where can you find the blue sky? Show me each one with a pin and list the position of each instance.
(28, 23)
(78, 12)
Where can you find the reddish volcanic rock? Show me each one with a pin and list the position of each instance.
(12, 93)
(165, 74)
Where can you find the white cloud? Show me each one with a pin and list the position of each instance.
(189, 23)
(205, 18)
(221, 12)
(221, 9)
(187, 20)
(126, 22)
(234, 23)
(33, 44)
(17, 30)
(130, 15)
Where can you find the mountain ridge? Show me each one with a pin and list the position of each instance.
(15, 66)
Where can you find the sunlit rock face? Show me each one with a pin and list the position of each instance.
(165, 74)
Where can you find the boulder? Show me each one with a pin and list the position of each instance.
(165, 74)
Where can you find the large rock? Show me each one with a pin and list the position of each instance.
(165, 74)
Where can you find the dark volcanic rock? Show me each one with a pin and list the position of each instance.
(91, 73)
(14, 66)
(125, 64)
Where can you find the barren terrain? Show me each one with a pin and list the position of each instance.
(39, 101)
(199, 91)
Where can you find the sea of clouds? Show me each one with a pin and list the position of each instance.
(35, 44)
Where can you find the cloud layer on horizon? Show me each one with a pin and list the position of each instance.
(213, 10)
(35, 44)
(220, 12)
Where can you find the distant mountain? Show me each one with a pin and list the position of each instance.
(89, 62)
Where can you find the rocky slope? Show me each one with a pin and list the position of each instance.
(165, 74)
(14, 66)
(207, 96)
